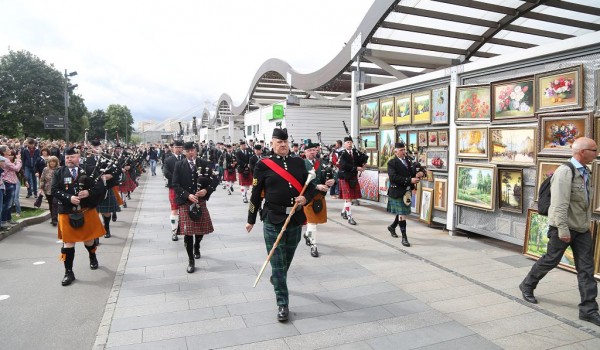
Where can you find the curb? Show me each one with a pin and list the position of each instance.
(24, 223)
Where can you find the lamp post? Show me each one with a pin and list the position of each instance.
(68, 88)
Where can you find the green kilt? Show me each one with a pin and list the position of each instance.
(397, 206)
(109, 204)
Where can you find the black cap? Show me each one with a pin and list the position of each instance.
(242, 142)
(347, 138)
(280, 134)
(71, 151)
(189, 145)
(178, 143)
(399, 145)
(95, 143)
(257, 147)
(311, 145)
(294, 144)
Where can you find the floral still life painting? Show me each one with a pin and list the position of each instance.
(513, 100)
(473, 103)
(559, 89)
(558, 131)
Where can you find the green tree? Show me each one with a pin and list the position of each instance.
(29, 90)
(118, 119)
(96, 125)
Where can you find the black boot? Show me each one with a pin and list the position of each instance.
(114, 216)
(188, 242)
(283, 313)
(128, 195)
(106, 226)
(92, 253)
(197, 246)
(68, 255)
(392, 227)
(403, 230)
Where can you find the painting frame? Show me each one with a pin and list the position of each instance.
(497, 142)
(387, 116)
(440, 202)
(544, 165)
(467, 99)
(401, 135)
(443, 138)
(421, 101)
(547, 142)
(512, 95)
(370, 139)
(432, 138)
(400, 105)
(415, 200)
(549, 98)
(440, 106)
(491, 170)
(386, 149)
(461, 136)
(433, 154)
(369, 114)
(595, 179)
(504, 186)
(422, 138)
(426, 205)
(413, 137)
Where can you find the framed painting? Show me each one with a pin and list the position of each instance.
(369, 114)
(422, 142)
(386, 111)
(437, 159)
(559, 89)
(440, 194)
(544, 169)
(421, 106)
(369, 185)
(475, 185)
(387, 137)
(428, 176)
(374, 159)
(384, 184)
(369, 141)
(595, 234)
(412, 141)
(558, 131)
(440, 103)
(403, 110)
(596, 178)
(443, 138)
(472, 103)
(415, 200)
(510, 187)
(426, 205)
(401, 135)
(536, 240)
(512, 100)
(471, 142)
(432, 138)
(513, 145)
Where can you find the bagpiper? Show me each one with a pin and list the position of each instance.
(243, 167)
(229, 166)
(348, 177)
(168, 169)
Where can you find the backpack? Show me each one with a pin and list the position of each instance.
(544, 193)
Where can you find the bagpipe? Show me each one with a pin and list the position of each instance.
(208, 178)
(327, 168)
(362, 157)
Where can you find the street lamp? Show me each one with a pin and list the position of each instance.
(68, 88)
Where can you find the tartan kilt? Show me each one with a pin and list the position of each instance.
(109, 204)
(347, 192)
(128, 185)
(118, 198)
(311, 216)
(246, 180)
(92, 227)
(229, 176)
(174, 205)
(189, 227)
(397, 206)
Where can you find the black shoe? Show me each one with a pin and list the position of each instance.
(93, 262)
(107, 235)
(392, 230)
(271, 280)
(351, 220)
(344, 215)
(307, 239)
(405, 240)
(97, 241)
(191, 266)
(197, 253)
(174, 237)
(68, 279)
(28, 196)
(593, 318)
(114, 217)
(245, 200)
(124, 204)
(229, 192)
(54, 223)
(128, 196)
(283, 314)
(314, 252)
(528, 295)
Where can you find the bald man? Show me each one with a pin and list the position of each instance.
(569, 217)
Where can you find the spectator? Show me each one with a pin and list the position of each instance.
(46, 187)
(153, 157)
(29, 157)
(9, 177)
(2, 187)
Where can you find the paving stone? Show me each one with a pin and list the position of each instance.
(592, 344)
(465, 343)
(167, 318)
(217, 301)
(241, 336)
(361, 345)
(546, 338)
(415, 320)
(277, 344)
(420, 337)
(124, 338)
(343, 319)
(193, 328)
(151, 309)
(170, 344)
(489, 313)
(296, 313)
(513, 325)
(451, 293)
(336, 336)
(407, 307)
(141, 300)
(192, 294)
(348, 293)
(146, 290)
(373, 300)
(270, 304)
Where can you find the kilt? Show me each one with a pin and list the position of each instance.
(246, 180)
(92, 227)
(397, 206)
(347, 192)
(311, 216)
(128, 185)
(109, 204)
(189, 227)
(117, 196)
(174, 205)
(230, 176)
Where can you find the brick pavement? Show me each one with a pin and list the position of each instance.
(365, 291)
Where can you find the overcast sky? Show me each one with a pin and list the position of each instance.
(164, 59)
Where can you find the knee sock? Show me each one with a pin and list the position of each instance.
(396, 221)
(67, 255)
(348, 208)
(106, 223)
(403, 226)
(188, 242)
(243, 189)
(92, 249)
(174, 223)
(311, 232)
(197, 241)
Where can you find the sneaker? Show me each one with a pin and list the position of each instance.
(18, 215)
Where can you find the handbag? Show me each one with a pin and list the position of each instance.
(195, 212)
(38, 201)
(317, 205)
(76, 219)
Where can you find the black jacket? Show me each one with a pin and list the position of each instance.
(186, 182)
(347, 165)
(243, 160)
(169, 168)
(62, 190)
(400, 177)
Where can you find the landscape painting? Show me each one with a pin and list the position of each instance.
(403, 110)
(514, 146)
(387, 138)
(369, 114)
(421, 105)
(475, 185)
(386, 115)
(510, 184)
(536, 240)
(472, 142)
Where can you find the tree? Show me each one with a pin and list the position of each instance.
(118, 119)
(96, 125)
(29, 90)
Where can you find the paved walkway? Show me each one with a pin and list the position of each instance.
(365, 291)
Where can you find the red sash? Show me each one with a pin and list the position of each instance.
(283, 173)
(316, 165)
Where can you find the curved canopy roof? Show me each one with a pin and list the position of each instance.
(400, 39)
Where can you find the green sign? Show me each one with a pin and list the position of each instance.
(277, 113)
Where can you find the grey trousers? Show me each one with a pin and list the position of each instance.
(581, 244)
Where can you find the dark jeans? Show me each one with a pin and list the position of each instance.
(581, 244)
(8, 201)
(31, 180)
(53, 205)
(282, 257)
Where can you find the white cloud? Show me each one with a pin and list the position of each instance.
(162, 58)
